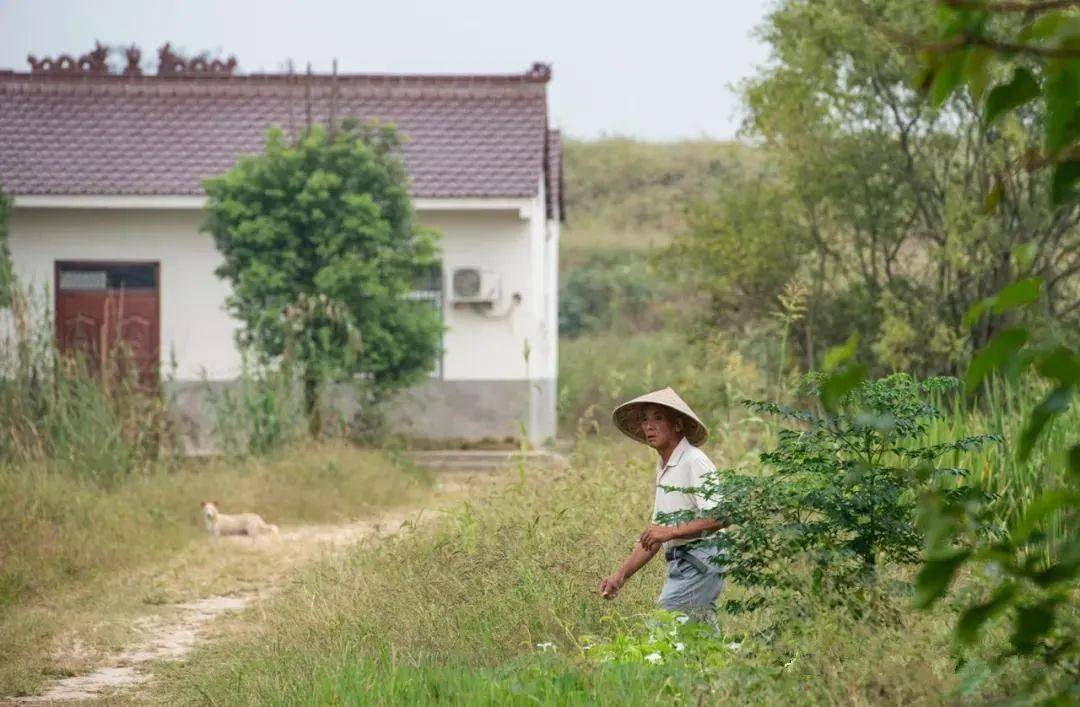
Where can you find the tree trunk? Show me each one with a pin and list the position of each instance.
(311, 405)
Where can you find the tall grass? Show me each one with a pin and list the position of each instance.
(72, 552)
(54, 411)
(1004, 408)
(599, 371)
(460, 612)
(262, 413)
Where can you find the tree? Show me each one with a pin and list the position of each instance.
(890, 191)
(321, 250)
(841, 494)
(742, 247)
(1018, 59)
(7, 270)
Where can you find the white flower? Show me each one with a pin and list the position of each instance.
(680, 646)
(682, 619)
(734, 646)
(546, 646)
(654, 658)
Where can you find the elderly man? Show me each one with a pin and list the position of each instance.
(663, 421)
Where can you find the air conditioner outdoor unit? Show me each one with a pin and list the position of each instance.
(475, 286)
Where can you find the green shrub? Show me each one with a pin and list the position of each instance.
(843, 487)
(260, 413)
(616, 291)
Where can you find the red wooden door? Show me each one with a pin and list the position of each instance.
(108, 314)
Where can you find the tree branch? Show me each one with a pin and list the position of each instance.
(1005, 6)
(966, 40)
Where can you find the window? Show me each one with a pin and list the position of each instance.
(106, 276)
(428, 288)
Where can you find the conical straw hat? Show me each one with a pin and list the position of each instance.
(627, 417)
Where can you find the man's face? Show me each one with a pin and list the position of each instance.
(660, 427)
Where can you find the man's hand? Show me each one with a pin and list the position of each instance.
(655, 536)
(610, 586)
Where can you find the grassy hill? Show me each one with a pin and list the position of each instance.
(628, 194)
(620, 313)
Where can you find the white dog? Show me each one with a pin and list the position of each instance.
(240, 524)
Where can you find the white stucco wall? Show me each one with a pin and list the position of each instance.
(194, 327)
(490, 344)
(516, 243)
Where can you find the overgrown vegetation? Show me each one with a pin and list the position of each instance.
(1034, 562)
(74, 556)
(497, 604)
(887, 192)
(55, 410)
(7, 270)
(839, 490)
(895, 539)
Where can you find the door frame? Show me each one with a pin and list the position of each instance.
(156, 264)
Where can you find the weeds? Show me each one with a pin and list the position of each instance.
(57, 410)
(72, 552)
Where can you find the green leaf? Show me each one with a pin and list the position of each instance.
(1062, 95)
(840, 354)
(949, 75)
(993, 197)
(936, 575)
(839, 384)
(1074, 460)
(1060, 364)
(1018, 294)
(1032, 623)
(1055, 403)
(1023, 87)
(976, 70)
(1043, 27)
(1024, 255)
(967, 628)
(994, 355)
(972, 316)
(1063, 181)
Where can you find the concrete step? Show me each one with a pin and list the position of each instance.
(483, 459)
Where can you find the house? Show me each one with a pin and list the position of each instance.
(105, 167)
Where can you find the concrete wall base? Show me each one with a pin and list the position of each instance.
(462, 410)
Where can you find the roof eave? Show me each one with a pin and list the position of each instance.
(521, 204)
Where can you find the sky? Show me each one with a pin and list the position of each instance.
(658, 70)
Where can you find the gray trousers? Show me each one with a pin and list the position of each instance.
(692, 587)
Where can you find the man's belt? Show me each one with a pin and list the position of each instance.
(679, 551)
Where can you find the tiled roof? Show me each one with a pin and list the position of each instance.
(466, 136)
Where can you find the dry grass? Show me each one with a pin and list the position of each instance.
(453, 614)
(78, 563)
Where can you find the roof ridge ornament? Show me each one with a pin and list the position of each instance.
(539, 72)
(134, 56)
(95, 63)
(171, 64)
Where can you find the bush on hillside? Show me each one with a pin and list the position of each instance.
(617, 291)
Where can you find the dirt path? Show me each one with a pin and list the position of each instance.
(174, 629)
